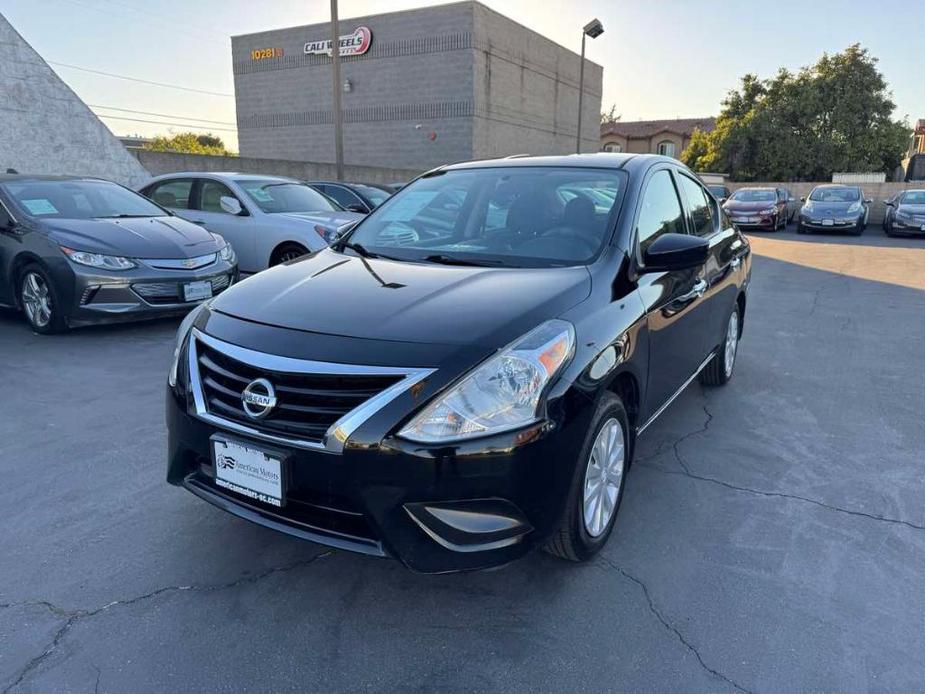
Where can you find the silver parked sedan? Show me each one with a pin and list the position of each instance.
(268, 219)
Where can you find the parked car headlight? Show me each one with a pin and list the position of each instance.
(903, 216)
(186, 325)
(503, 393)
(227, 254)
(855, 208)
(98, 260)
(769, 210)
(807, 207)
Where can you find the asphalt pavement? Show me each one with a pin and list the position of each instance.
(772, 536)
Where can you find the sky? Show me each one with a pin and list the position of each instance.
(661, 58)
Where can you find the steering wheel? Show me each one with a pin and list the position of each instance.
(591, 241)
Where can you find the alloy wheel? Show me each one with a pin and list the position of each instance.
(603, 477)
(36, 299)
(732, 343)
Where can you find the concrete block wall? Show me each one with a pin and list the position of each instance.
(45, 128)
(171, 162)
(878, 192)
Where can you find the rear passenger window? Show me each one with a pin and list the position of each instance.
(174, 194)
(701, 206)
(661, 211)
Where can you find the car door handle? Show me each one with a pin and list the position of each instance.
(696, 291)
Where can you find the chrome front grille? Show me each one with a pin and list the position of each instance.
(172, 292)
(318, 404)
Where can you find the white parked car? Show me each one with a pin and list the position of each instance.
(267, 219)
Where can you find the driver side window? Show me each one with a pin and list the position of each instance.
(661, 211)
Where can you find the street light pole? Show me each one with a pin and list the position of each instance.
(336, 111)
(593, 29)
(581, 92)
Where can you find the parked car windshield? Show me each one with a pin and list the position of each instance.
(509, 217)
(376, 196)
(718, 191)
(79, 200)
(751, 195)
(913, 197)
(286, 196)
(834, 195)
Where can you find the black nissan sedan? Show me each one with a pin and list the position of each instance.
(79, 251)
(463, 375)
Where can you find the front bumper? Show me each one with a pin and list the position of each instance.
(757, 221)
(436, 509)
(99, 296)
(908, 227)
(837, 223)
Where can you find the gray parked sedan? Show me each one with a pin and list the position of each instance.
(268, 219)
(75, 251)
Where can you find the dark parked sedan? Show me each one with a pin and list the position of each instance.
(75, 251)
(454, 384)
(905, 213)
(758, 208)
(355, 197)
(834, 207)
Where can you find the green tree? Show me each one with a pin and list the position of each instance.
(189, 143)
(833, 116)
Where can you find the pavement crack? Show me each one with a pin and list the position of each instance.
(71, 617)
(670, 627)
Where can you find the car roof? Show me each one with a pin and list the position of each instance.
(595, 160)
(47, 177)
(837, 185)
(769, 188)
(230, 175)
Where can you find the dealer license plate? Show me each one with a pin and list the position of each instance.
(196, 291)
(248, 471)
(828, 222)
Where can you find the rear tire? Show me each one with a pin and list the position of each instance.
(721, 367)
(287, 252)
(597, 485)
(38, 298)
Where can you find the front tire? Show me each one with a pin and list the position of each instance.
(288, 252)
(38, 299)
(597, 485)
(721, 366)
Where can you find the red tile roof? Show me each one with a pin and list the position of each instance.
(647, 128)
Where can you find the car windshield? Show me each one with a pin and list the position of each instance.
(835, 195)
(508, 217)
(913, 197)
(286, 196)
(78, 200)
(752, 195)
(376, 196)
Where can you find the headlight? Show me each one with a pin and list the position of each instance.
(770, 210)
(226, 252)
(98, 260)
(856, 207)
(904, 216)
(808, 207)
(503, 393)
(185, 326)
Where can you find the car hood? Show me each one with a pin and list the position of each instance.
(821, 208)
(334, 218)
(141, 237)
(734, 206)
(337, 294)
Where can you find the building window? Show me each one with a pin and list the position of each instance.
(666, 148)
(612, 147)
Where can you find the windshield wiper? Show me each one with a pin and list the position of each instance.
(128, 216)
(357, 248)
(454, 260)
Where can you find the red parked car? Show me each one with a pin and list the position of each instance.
(759, 208)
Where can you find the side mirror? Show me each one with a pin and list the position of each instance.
(230, 205)
(868, 201)
(671, 252)
(803, 199)
(888, 203)
(721, 200)
(356, 207)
